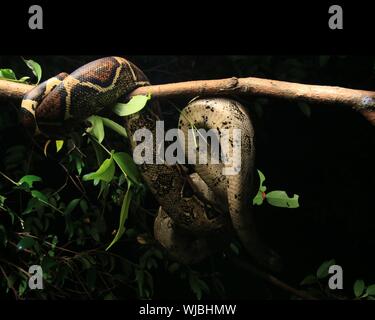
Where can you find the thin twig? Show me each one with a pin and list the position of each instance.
(271, 279)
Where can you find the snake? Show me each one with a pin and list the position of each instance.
(199, 206)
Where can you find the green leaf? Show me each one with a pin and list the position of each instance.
(7, 74)
(29, 180)
(32, 205)
(136, 104)
(84, 206)
(79, 164)
(22, 287)
(105, 172)
(10, 281)
(198, 286)
(281, 199)
(127, 166)
(359, 288)
(39, 195)
(25, 243)
(371, 290)
(71, 206)
(59, 145)
(258, 199)
(35, 68)
(3, 236)
(310, 279)
(322, 271)
(123, 215)
(114, 126)
(48, 263)
(2, 202)
(24, 79)
(97, 128)
(262, 178)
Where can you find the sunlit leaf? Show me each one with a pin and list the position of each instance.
(39, 195)
(24, 79)
(97, 128)
(7, 74)
(59, 145)
(127, 166)
(259, 198)
(136, 104)
(281, 199)
(123, 215)
(105, 172)
(114, 126)
(35, 68)
(262, 178)
(29, 180)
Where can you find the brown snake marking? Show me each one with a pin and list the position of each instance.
(190, 227)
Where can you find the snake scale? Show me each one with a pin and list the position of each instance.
(193, 218)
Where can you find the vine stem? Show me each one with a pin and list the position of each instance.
(271, 279)
(360, 100)
(9, 179)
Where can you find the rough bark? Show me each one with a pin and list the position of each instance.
(360, 100)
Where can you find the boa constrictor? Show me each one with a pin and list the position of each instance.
(193, 219)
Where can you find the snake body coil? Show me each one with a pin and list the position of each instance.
(188, 226)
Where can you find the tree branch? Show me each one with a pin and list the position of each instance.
(271, 279)
(360, 100)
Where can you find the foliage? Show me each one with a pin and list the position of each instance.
(87, 220)
(274, 198)
(9, 74)
(318, 285)
(70, 236)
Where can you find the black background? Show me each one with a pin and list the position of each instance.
(182, 27)
(189, 28)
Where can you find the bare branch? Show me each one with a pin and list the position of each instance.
(360, 100)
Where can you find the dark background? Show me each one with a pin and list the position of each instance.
(327, 158)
